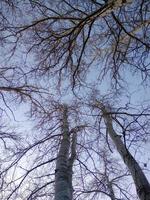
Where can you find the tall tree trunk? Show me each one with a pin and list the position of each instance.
(62, 187)
(71, 161)
(140, 180)
(64, 163)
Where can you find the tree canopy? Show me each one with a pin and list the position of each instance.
(74, 99)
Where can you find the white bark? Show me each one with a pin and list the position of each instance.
(71, 161)
(63, 190)
(140, 180)
(64, 163)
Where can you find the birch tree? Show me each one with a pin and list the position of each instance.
(140, 180)
(43, 166)
(64, 164)
(53, 44)
(51, 158)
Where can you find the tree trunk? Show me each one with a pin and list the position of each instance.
(63, 190)
(64, 163)
(140, 180)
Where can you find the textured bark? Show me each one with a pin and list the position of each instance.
(62, 187)
(71, 161)
(140, 180)
(64, 163)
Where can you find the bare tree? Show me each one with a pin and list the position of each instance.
(46, 42)
(100, 173)
(47, 173)
(63, 34)
(50, 158)
(140, 180)
(64, 163)
(63, 178)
